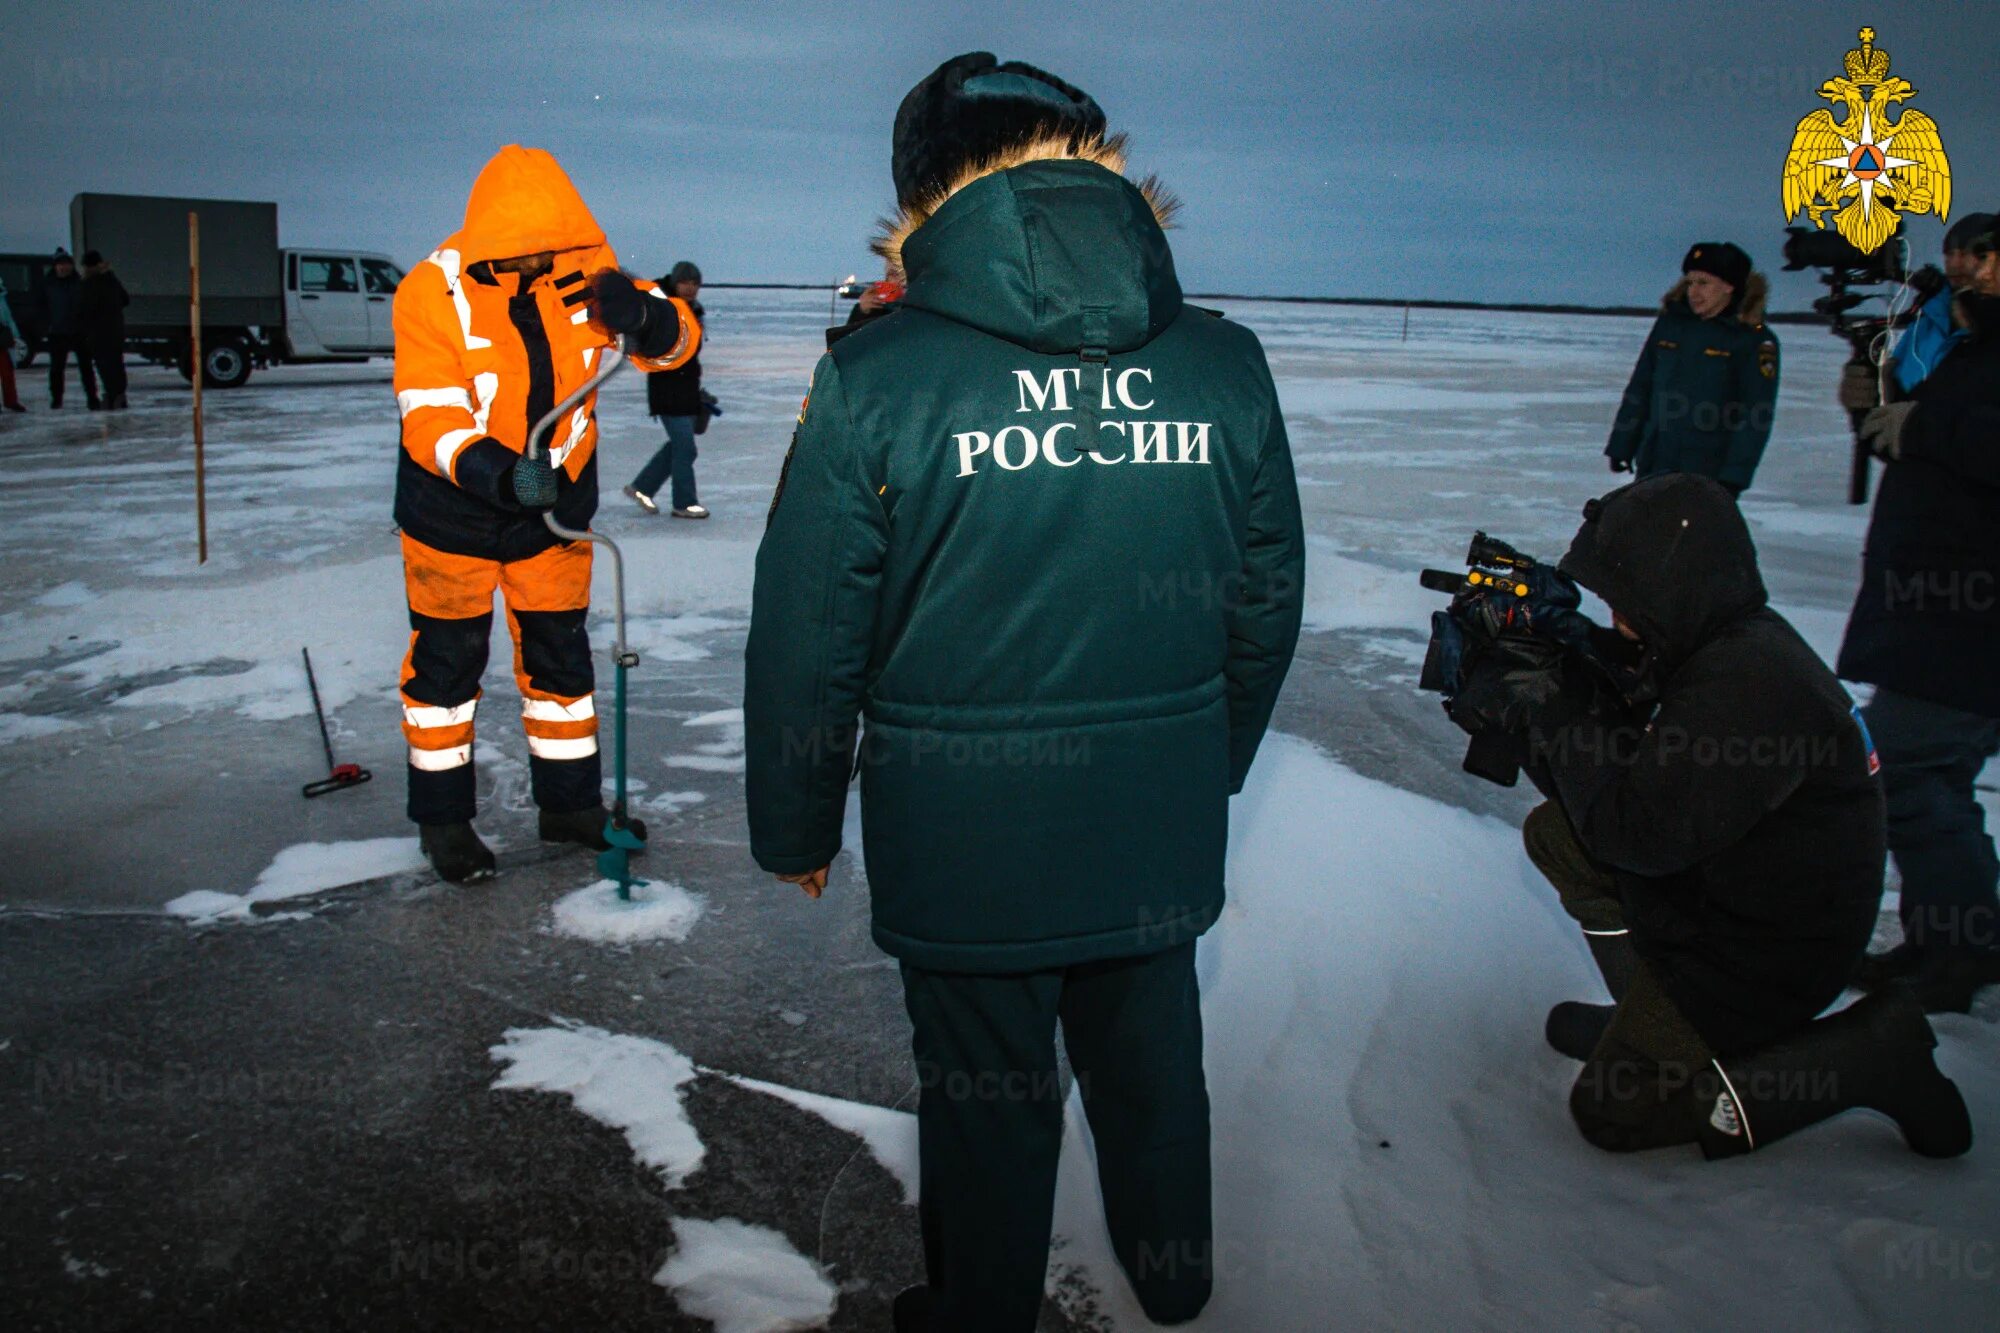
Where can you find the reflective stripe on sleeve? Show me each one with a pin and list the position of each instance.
(409, 400)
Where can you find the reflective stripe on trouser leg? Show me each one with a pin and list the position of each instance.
(547, 599)
(451, 622)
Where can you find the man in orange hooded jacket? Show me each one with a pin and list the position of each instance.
(503, 320)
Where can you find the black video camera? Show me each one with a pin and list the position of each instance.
(1504, 606)
(1846, 266)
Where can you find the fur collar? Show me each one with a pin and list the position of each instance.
(1108, 153)
(1749, 311)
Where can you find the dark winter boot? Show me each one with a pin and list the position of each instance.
(1877, 970)
(1875, 1054)
(1947, 981)
(456, 853)
(584, 827)
(1573, 1028)
(913, 1310)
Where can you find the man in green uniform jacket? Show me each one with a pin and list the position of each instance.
(1703, 393)
(1041, 532)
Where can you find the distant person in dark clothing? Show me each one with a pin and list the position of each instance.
(62, 294)
(1925, 632)
(100, 325)
(1701, 397)
(675, 397)
(877, 300)
(10, 338)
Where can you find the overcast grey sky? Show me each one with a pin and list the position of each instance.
(1496, 151)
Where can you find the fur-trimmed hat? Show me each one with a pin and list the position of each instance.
(1719, 258)
(972, 108)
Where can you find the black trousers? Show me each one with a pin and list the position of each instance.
(1651, 1078)
(990, 1131)
(60, 346)
(108, 356)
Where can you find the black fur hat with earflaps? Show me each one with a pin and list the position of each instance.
(973, 108)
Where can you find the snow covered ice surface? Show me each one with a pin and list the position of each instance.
(1379, 977)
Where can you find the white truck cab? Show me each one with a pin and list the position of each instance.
(338, 304)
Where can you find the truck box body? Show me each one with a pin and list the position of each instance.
(145, 239)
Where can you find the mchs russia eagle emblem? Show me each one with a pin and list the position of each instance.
(1865, 169)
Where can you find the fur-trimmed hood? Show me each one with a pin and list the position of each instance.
(1046, 246)
(1108, 153)
(1750, 302)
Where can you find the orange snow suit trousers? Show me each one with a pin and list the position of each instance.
(547, 599)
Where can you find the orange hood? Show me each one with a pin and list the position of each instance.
(522, 204)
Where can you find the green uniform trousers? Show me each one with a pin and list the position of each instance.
(990, 1123)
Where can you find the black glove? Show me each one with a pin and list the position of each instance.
(617, 303)
(1507, 684)
(535, 483)
(1620, 465)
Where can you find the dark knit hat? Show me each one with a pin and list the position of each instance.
(91, 259)
(685, 271)
(1720, 258)
(61, 256)
(972, 108)
(1970, 229)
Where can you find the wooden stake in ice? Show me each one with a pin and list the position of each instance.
(194, 350)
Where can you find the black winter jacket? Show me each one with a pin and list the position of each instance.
(1926, 622)
(100, 310)
(1745, 820)
(59, 300)
(677, 393)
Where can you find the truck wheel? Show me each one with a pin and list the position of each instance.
(225, 364)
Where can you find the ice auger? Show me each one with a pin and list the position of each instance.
(615, 862)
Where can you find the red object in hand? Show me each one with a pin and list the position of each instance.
(888, 292)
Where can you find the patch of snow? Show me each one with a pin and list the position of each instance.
(891, 1135)
(28, 726)
(670, 802)
(72, 593)
(721, 717)
(632, 1084)
(307, 867)
(706, 763)
(745, 1279)
(659, 910)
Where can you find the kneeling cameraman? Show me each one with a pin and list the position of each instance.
(1715, 826)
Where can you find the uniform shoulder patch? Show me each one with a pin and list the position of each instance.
(1767, 359)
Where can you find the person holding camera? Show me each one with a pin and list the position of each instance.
(1715, 827)
(1925, 631)
(985, 496)
(1918, 348)
(1702, 395)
